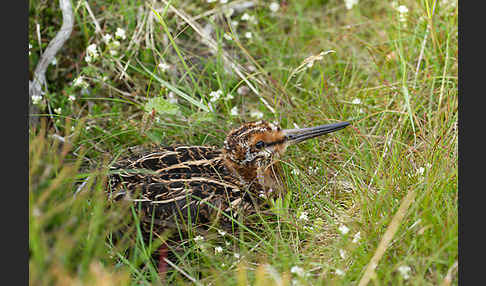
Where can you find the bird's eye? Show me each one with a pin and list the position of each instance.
(260, 144)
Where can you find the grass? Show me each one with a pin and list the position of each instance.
(395, 80)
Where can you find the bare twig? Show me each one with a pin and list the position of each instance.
(39, 78)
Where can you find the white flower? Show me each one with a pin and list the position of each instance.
(248, 35)
(107, 38)
(356, 101)
(120, 33)
(223, 1)
(343, 229)
(297, 270)
(116, 44)
(356, 237)
(243, 90)
(171, 97)
(234, 23)
(113, 52)
(421, 171)
(36, 99)
(303, 216)
(198, 238)
(256, 114)
(92, 50)
(405, 271)
(58, 110)
(247, 17)
(88, 58)
(79, 82)
(54, 62)
(229, 96)
(236, 255)
(163, 67)
(350, 3)
(295, 172)
(218, 249)
(339, 272)
(402, 13)
(215, 95)
(274, 6)
(234, 111)
(72, 98)
(227, 37)
(221, 232)
(30, 47)
(210, 1)
(342, 253)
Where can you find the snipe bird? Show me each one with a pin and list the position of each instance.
(178, 184)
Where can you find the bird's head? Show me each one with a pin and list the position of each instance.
(255, 145)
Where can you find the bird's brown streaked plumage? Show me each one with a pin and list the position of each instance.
(197, 183)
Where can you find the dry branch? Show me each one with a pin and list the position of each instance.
(39, 78)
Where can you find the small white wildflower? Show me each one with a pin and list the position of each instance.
(402, 13)
(234, 23)
(120, 33)
(297, 270)
(343, 229)
(342, 253)
(227, 37)
(339, 272)
(236, 255)
(245, 17)
(243, 90)
(303, 216)
(223, 1)
(218, 249)
(234, 111)
(107, 38)
(405, 271)
(163, 66)
(92, 50)
(215, 95)
(256, 114)
(248, 35)
(113, 52)
(79, 82)
(221, 232)
(88, 58)
(72, 98)
(229, 96)
(356, 101)
(54, 62)
(58, 110)
(36, 99)
(428, 165)
(198, 238)
(210, 1)
(421, 171)
(116, 44)
(295, 172)
(350, 3)
(356, 237)
(30, 47)
(171, 97)
(274, 7)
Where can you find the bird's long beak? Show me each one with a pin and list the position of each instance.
(293, 136)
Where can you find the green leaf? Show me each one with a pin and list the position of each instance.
(161, 106)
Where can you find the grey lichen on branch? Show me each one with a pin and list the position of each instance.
(39, 77)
